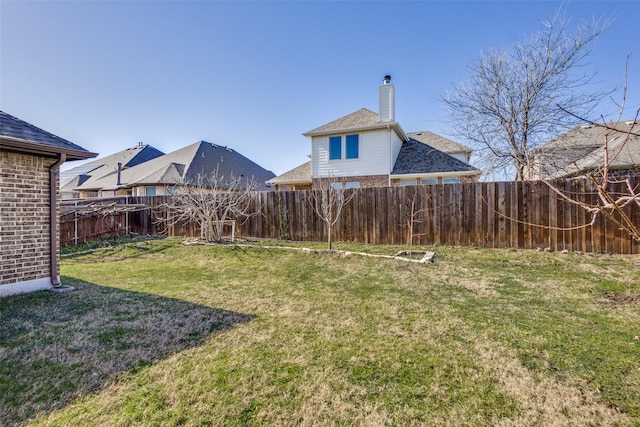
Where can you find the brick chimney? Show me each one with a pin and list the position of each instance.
(387, 109)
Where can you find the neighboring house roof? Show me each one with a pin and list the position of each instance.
(16, 134)
(184, 165)
(581, 149)
(298, 175)
(96, 169)
(68, 185)
(363, 119)
(439, 142)
(417, 157)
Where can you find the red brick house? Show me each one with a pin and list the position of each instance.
(30, 159)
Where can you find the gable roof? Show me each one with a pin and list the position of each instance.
(184, 165)
(297, 175)
(439, 142)
(581, 149)
(21, 136)
(417, 157)
(96, 169)
(360, 120)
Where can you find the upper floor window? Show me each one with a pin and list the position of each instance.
(150, 191)
(352, 146)
(429, 181)
(450, 180)
(408, 182)
(335, 148)
(352, 184)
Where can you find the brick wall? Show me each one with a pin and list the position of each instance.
(365, 181)
(24, 217)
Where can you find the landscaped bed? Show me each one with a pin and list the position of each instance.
(160, 333)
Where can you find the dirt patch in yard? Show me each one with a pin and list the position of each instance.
(616, 300)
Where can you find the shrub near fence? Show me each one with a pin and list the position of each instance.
(525, 215)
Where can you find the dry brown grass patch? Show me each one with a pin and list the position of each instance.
(544, 400)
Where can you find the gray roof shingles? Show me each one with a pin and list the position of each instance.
(581, 149)
(299, 174)
(185, 165)
(419, 158)
(362, 118)
(438, 142)
(13, 127)
(104, 166)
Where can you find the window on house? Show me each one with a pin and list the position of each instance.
(150, 191)
(352, 184)
(408, 182)
(336, 185)
(429, 181)
(335, 148)
(171, 191)
(450, 180)
(352, 146)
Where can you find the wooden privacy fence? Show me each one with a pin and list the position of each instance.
(525, 215)
(97, 219)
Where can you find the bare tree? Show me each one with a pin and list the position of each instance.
(612, 169)
(619, 148)
(414, 216)
(327, 200)
(211, 201)
(508, 105)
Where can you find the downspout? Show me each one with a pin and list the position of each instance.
(53, 219)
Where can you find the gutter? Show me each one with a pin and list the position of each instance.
(25, 146)
(434, 174)
(53, 219)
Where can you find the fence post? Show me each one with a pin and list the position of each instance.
(126, 217)
(75, 225)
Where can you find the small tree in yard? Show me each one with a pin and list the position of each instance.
(211, 201)
(327, 201)
(414, 216)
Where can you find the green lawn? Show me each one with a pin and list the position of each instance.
(162, 334)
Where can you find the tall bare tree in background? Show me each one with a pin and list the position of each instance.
(211, 201)
(508, 105)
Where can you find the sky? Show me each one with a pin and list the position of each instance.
(255, 76)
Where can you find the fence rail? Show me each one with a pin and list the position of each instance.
(525, 215)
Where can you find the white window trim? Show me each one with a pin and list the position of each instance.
(343, 148)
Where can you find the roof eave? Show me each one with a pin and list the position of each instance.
(30, 147)
(289, 181)
(379, 125)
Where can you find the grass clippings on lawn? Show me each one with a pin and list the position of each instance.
(162, 334)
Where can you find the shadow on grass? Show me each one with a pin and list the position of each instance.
(56, 347)
(118, 250)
